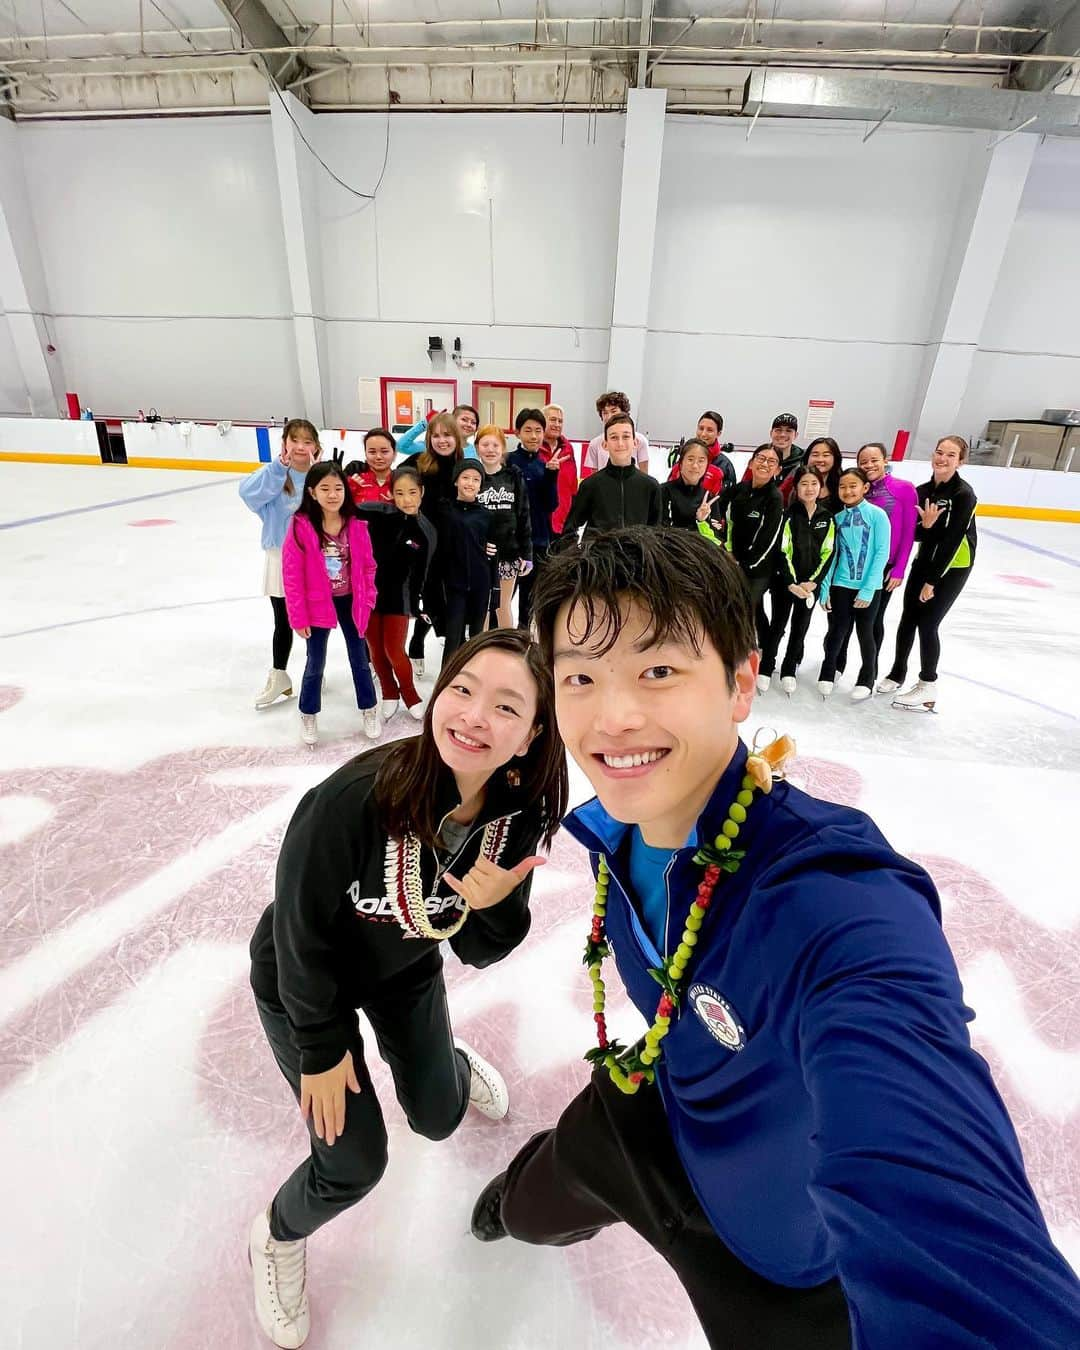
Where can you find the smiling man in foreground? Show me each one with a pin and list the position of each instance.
(805, 1133)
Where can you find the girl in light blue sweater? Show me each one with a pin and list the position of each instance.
(274, 492)
(851, 591)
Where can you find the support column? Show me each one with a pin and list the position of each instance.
(23, 293)
(992, 196)
(642, 156)
(298, 194)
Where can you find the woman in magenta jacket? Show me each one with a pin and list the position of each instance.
(328, 570)
(899, 500)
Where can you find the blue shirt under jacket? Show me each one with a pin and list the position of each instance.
(821, 1088)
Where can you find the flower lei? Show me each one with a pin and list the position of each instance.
(405, 888)
(629, 1068)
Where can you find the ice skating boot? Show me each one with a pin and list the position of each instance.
(487, 1224)
(888, 686)
(922, 698)
(278, 685)
(763, 682)
(860, 693)
(389, 708)
(417, 711)
(372, 725)
(309, 729)
(279, 1273)
(417, 663)
(825, 688)
(487, 1091)
(788, 684)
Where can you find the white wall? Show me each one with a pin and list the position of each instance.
(799, 264)
(1029, 352)
(176, 222)
(498, 229)
(13, 393)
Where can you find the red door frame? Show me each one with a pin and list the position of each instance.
(511, 385)
(385, 381)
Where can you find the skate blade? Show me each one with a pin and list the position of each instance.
(930, 707)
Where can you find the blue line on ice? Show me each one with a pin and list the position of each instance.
(105, 506)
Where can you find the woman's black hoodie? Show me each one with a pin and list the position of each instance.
(679, 504)
(404, 547)
(332, 935)
(753, 519)
(504, 495)
(952, 539)
(438, 485)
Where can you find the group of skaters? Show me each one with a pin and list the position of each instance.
(442, 529)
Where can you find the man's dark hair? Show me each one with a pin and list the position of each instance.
(615, 419)
(690, 589)
(529, 415)
(713, 417)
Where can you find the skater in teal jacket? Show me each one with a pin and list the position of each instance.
(851, 592)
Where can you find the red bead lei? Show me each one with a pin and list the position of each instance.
(629, 1068)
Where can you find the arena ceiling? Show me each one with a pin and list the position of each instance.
(107, 57)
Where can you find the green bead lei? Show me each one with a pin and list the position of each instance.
(629, 1068)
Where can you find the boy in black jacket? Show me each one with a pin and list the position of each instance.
(464, 557)
(619, 494)
(542, 484)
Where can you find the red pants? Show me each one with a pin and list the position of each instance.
(386, 638)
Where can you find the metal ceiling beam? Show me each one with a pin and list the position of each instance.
(644, 42)
(822, 94)
(259, 34)
(1062, 40)
(513, 53)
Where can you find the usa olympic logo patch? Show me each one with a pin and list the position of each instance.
(718, 1017)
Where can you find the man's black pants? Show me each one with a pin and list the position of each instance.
(610, 1159)
(431, 1078)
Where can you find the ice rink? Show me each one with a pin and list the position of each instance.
(142, 799)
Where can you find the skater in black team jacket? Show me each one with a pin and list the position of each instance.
(619, 494)
(947, 538)
(752, 518)
(427, 839)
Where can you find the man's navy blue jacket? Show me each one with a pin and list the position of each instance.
(821, 1088)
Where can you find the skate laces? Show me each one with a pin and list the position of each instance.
(481, 1091)
(289, 1260)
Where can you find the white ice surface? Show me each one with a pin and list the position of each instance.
(142, 1122)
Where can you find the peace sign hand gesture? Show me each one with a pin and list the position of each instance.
(485, 883)
(555, 462)
(706, 506)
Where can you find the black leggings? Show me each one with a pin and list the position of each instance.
(759, 588)
(786, 606)
(431, 1079)
(843, 616)
(283, 634)
(884, 596)
(925, 619)
(611, 1159)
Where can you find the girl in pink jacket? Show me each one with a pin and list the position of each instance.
(328, 570)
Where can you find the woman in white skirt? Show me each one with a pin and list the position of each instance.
(274, 492)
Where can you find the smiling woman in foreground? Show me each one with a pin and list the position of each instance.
(425, 839)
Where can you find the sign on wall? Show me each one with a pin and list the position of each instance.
(819, 415)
